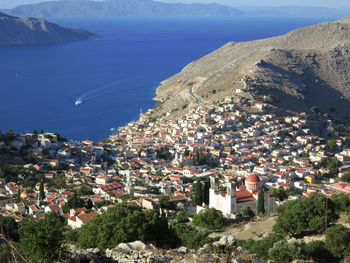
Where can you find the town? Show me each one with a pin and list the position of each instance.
(154, 164)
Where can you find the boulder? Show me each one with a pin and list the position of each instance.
(226, 241)
(137, 245)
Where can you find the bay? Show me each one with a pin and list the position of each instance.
(114, 76)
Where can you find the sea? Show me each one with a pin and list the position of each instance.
(115, 76)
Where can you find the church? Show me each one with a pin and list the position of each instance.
(233, 200)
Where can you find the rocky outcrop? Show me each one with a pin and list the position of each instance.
(224, 250)
(304, 68)
(34, 31)
(124, 252)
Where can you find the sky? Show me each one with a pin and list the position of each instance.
(233, 3)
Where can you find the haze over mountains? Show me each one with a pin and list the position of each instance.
(307, 67)
(119, 8)
(33, 31)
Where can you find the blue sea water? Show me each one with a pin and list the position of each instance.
(116, 75)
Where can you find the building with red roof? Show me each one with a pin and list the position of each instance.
(235, 199)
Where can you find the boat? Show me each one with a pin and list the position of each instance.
(78, 101)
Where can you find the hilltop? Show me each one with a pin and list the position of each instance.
(33, 31)
(117, 8)
(306, 68)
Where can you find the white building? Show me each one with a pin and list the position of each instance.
(233, 200)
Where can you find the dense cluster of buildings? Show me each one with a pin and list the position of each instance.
(241, 153)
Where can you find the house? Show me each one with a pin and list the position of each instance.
(34, 210)
(79, 220)
(54, 208)
(6, 199)
(20, 208)
(149, 203)
(103, 179)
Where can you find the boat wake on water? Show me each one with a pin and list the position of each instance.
(106, 90)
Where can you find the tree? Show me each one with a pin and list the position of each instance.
(261, 247)
(338, 240)
(60, 180)
(18, 198)
(9, 227)
(186, 152)
(317, 251)
(182, 217)
(164, 153)
(209, 218)
(286, 251)
(89, 204)
(126, 223)
(42, 240)
(297, 216)
(206, 188)
(347, 142)
(191, 238)
(346, 178)
(164, 201)
(199, 159)
(41, 191)
(75, 201)
(198, 193)
(341, 201)
(332, 144)
(279, 193)
(261, 203)
(247, 211)
(159, 173)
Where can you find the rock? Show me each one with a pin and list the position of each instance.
(137, 245)
(226, 241)
(183, 250)
(125, 246)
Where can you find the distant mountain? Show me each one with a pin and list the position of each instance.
(33, 31)
(297, 11)
(117, 8)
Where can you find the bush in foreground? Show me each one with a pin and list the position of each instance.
(209, 219)
(126, 223)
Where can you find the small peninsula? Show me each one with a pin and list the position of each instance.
(36, 31)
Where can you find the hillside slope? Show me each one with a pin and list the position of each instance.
(307, 67)
(118, 8)
(33, 31)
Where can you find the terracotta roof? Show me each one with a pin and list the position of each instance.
(252, 179)
(86, 217)
(243, 194)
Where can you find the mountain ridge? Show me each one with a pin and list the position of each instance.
(303, 68)
(34, 31)
(117, 8)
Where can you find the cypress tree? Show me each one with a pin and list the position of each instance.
(261, 202)
(41, 191)
(206, 187)
(198, 193)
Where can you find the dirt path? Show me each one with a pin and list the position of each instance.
(255, 230)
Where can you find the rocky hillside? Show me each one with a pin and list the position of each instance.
(307, 67)
(33, 31)
(117, 8)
